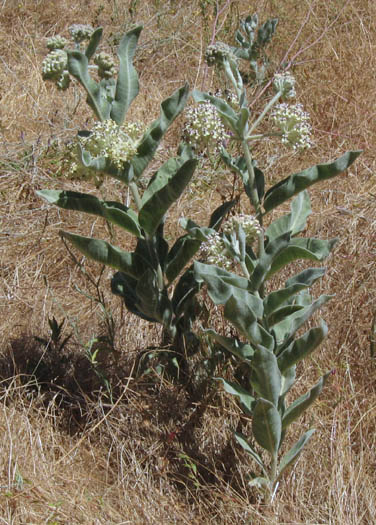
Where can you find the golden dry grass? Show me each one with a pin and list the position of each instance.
(122, 465)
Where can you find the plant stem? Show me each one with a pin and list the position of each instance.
(266, 109)
(135, 195)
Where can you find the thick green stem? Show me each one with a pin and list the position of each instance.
(252, 179)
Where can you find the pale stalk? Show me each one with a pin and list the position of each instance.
(267, 108)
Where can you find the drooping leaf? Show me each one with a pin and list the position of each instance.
(286, 328)
(199, 233)
(105, 253)
(307, 277)
(287, 381)
(293, 222)
(275, 300)
(266, 377)
(266, 425)
(298, 182)
(302, 347)
(292, 455)
(221, 283)
(104, 165)
(247, 401)
(114, 212)
(303, 402)
(242, 440)
(152, 301)
(282, 313)
(127, 80)
(170, 109)
(154, 209)
(184, 292)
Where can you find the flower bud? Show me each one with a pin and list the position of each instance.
(106, 65)
(56, 42)
(54, 64)
(80, 32)
(216, 54)
(285, 83)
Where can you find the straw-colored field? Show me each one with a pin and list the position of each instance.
(156, 453)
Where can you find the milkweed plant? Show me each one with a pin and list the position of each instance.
(235, 257)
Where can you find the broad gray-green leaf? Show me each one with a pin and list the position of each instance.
(154, 209)
(179, 256)
(246, 399)
(220, 282)
(114, 212)
(292, 455)
(275, 300)
(170, 109)
(273, 249)
(127, 80)
(93, 43)
(302, 347)
(287, 380)
(306, 277)
(293, 222)
(298, 182)
(240, 313)
(219, 214)
(267, 425)
(302, 248)
(150, 300)
(303, 402)
(266, 377)
(282, 313)
(105, 253)
(96, 96)
(199, 233)
(291, 324)
(242, 350)
(242, 440)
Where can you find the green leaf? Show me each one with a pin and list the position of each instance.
(266, 425)
(125, 286)
(292, 455)
(294, 222)
(286, 328)
(246, 399)
(240, 312)
(266, 260)
(242, 440)
(184, 292)
(307, 277)
(179, 256)
(303, 402)
(127, 80)
(220, 213)
(93, 43)
(282, 313)
(96, 94)
(302, 248)
(298, 182)
(170, 187)
(302, 347)
(151, 301)
(112, 211)
(199, 233)
(105, 253)
(266, 32)
(104, 165)
(266, 377)
(241, 350)
(287, 381)
(170, 109)
(221, 283)
(275, 300)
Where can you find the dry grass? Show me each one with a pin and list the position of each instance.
(73, 458)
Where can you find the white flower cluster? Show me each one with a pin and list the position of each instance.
(204, 128)
(213, 251)
(116, 143)
(106, 65)
(54, 67)
(80, 32)
(285, 83)
(56, 42)
(294, 124)
(248, 223)
(216, 53)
